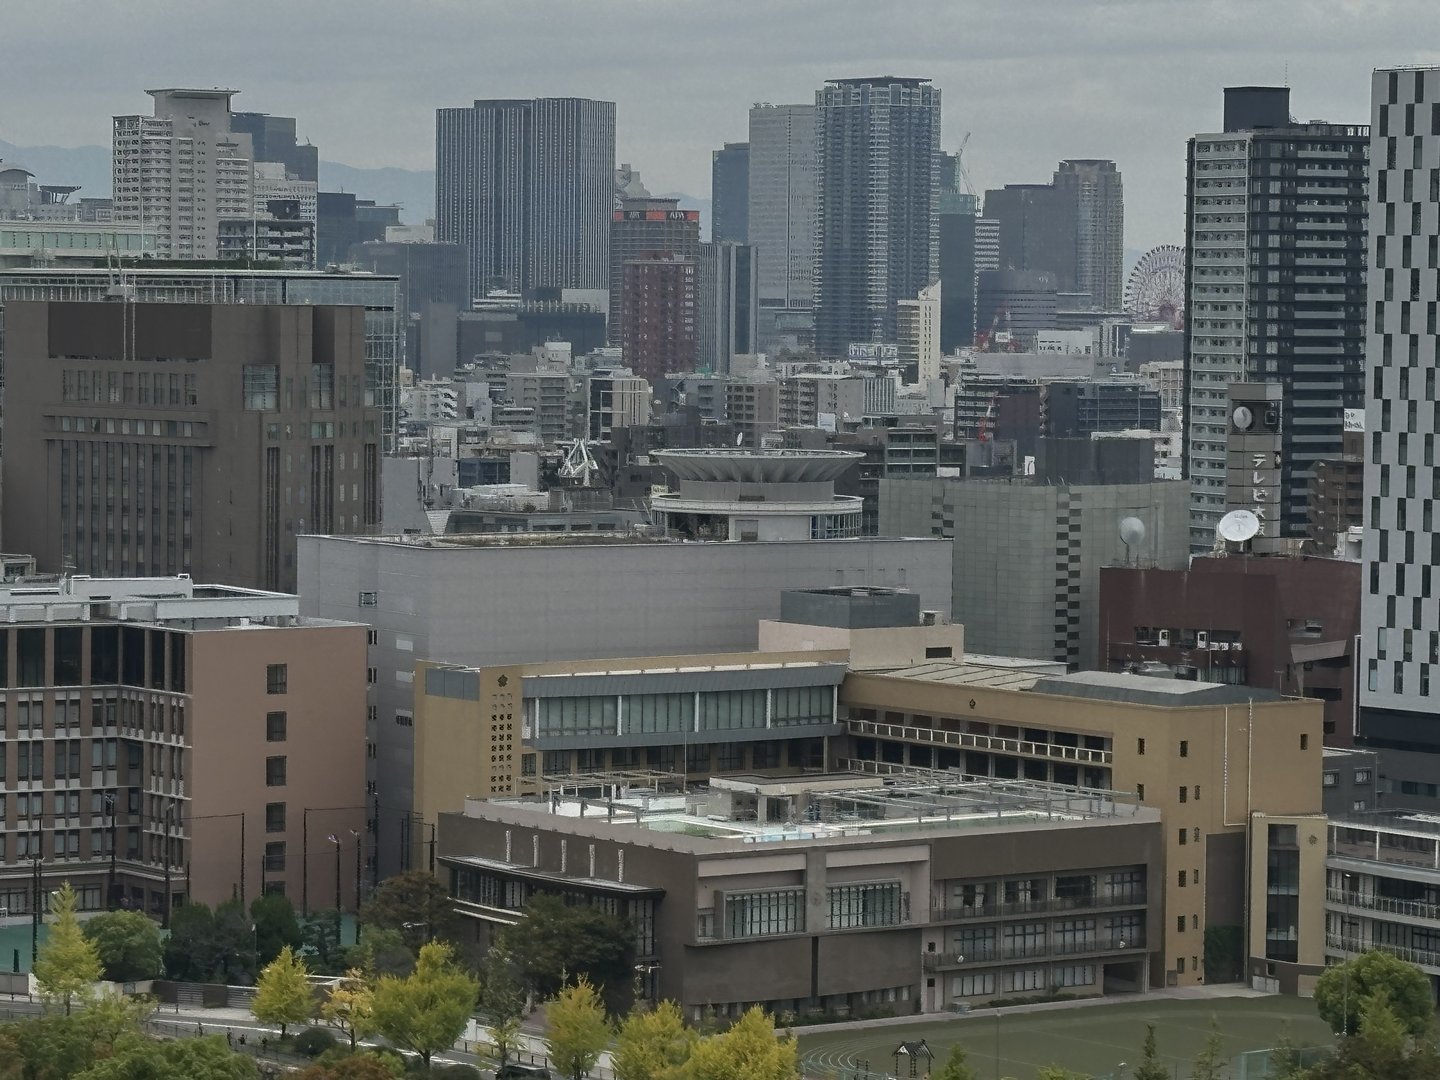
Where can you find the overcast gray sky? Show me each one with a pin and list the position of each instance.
(1034, 80)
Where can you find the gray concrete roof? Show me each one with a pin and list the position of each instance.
(1149, 690)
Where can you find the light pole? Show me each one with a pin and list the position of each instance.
(359, 849)
(1345, 968)
(110, 886)
(165, 848)
(305, 862)
(336, 841)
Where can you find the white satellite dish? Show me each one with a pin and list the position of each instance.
(1132, 531)
(1237, 526)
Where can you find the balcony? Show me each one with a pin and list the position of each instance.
(1385, 905)
(1002, 954)
(972, 741)
(1422, 957)
(1054, 905)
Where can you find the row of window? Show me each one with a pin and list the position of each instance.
(657, 713)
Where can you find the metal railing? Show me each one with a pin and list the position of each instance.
(999, 954)
(1127, 898)
(1423, 957)
(1389, 905)
(972, 741)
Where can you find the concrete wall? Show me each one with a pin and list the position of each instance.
(324, 748)
(488, 604)
(1027, 558)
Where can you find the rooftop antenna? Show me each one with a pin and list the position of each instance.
(1132, 532)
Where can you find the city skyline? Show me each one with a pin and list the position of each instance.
(1128, 95)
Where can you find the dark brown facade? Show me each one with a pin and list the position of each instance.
(660, 303)
(1284, 624)
(640, 227)
(956, 937)
(1335, 495)
(154, 439)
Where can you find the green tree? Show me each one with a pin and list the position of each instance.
(748, 1051)
(234, 945)
(381, 951)
(427, 1010)
(1284, 1063)
(273, 916)
(416, 906)
(282, 993)
(1150, 1067)
(652, 1044)
(321, 934)
(128, 945)
(137, 1057)
(351, 1007)
(555, 941)
(68, 965)
(190, 950)
(46, 1047)
(576, 1030)
(354, 1067)
(956, 1066)
(1209, 1064)
(1057, 1072)
(1341, 991)
(502, 999)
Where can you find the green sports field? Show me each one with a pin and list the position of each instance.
(1092, 1039)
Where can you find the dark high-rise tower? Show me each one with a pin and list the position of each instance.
(1275, 293)
(878, 142)
(527, 186)
(730, 193)
(1095, 189)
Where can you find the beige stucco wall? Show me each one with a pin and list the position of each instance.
(324, 749)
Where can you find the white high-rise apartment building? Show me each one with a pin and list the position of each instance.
(917, 332)
(178, 173)
(1400, 620)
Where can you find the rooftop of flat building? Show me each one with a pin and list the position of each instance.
(993, 672)
(594, 539)
(885, 80)
(1150, 690)
(738, 812)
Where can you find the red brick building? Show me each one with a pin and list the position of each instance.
(660, 301)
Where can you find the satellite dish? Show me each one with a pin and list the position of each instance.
(1237, 526)
(1132, 531)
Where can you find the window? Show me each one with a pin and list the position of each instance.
(1184, 747)
(1140, 792)
(1184, 836)
(864, 905)
(758, 914)
(261, 387)
(939, 652)
(1184, 793)
(277, 678)
(973, 985)
(1027, 979)
(1304, 742)
(1180, 965)
(1140, 747)
(275, 817)
(1362, 776)
(275, 857)
(1075, 975)
(1182, 878)
(274, 772)
(1179, 924)
(275, 727)
(369, 599)
(1196, 793)
(1330, 779)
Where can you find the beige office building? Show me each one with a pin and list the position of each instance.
(165, 740)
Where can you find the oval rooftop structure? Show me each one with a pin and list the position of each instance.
(757, 466)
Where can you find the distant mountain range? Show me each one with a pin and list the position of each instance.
(412, 189)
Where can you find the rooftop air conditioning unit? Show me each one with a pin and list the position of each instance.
(1202, 639)
(1164, 637)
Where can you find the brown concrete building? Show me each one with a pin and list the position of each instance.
(201, 439)
(1205, 755)
(848, 893)
(1280, 623)
(660, 305)
(1335, 495)
(166, 740)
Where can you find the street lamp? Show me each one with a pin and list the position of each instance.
(359, 851)
(336, 841)
(1345, 969)
(110, 888)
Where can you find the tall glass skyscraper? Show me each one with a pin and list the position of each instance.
(527, 186)
(878, 145)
